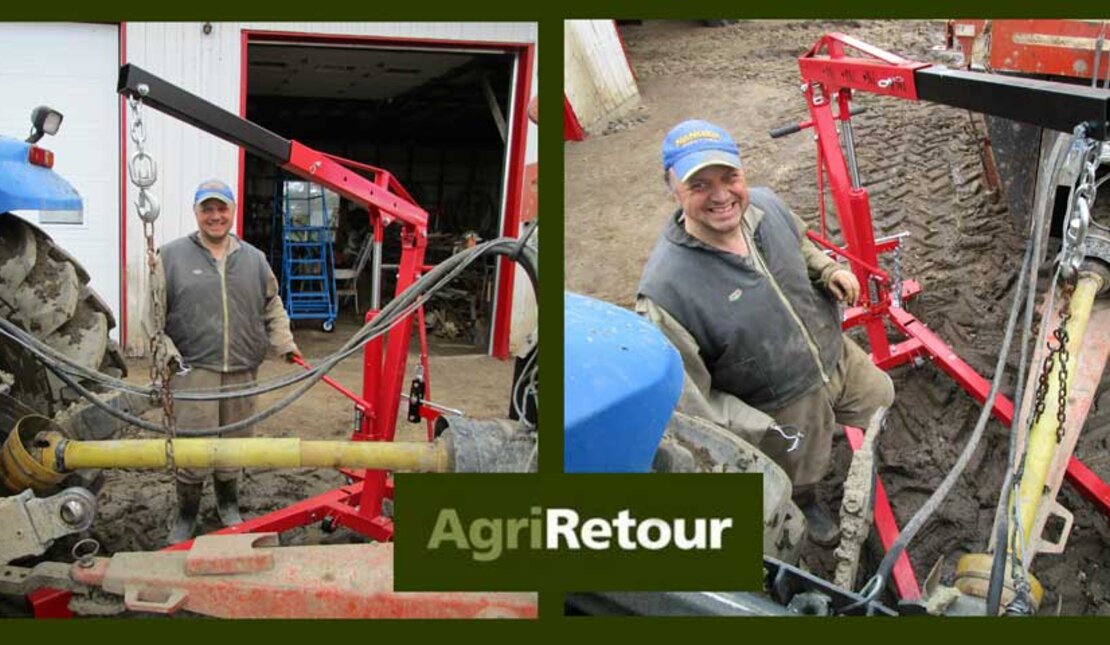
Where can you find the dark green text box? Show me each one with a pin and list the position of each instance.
(490, 564)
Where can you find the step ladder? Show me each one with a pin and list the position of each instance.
(307, 259)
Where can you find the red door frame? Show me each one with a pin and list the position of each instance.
(518, 141)
(122, 196)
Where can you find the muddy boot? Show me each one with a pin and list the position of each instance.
(188, 507)
(820, 526)
(227, 502)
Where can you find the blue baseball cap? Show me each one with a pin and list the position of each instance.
(214, 189)
(695, 144)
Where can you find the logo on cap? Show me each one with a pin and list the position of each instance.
(695, 144)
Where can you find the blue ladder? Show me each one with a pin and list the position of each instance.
(308, 261)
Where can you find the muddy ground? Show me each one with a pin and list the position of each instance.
(921, 166)
(135, 506)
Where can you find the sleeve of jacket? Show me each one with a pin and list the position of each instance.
(819, 265)
(277, 321)
(153, 324)
(698, 399)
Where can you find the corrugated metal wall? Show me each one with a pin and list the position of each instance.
(596, 77)
(209, 65)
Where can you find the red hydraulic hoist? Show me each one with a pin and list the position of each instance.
(357, 506)
(830, 75)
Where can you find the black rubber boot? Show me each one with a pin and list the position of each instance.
(188, 508)
(820, 526)
(227, 502)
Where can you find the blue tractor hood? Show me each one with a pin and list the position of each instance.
(622, 381)
(24, 186)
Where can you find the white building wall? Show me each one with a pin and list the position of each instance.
(72, 67)
(209, 65)
(596, 77)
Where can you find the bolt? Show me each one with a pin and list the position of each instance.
(73, 512)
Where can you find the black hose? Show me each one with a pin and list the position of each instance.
(50, 357)
(1001, 514)
(875, 586)
(396, 310)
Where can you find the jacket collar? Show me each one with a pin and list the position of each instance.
(676, 229)
(233, 244)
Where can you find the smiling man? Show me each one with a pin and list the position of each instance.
(751, 305)
(223, 313)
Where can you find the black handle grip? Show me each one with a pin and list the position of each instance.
(797, 127)
(785, 130)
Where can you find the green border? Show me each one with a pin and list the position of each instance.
(550, 14)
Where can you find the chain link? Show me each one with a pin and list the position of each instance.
(1061, 335)
(1083, 159)
(143, 172)
(1057, 352)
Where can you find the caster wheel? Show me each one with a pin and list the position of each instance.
(329, 525)
(328, 326)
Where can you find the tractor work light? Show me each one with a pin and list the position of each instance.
(44, 120)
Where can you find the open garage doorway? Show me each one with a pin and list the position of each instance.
(437, 117)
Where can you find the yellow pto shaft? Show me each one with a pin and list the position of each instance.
(251, 453)
(38, 459)
(1042, 442)
(973, 570)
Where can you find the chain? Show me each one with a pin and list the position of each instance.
(1061, 335)
(1059, 351)
(143, 172)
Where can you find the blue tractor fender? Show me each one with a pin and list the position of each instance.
(622, 381)
(25, 186)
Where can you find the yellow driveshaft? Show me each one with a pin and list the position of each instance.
(37, 459)
(973, 570)
(1042, 441)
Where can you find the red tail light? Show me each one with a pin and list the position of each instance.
(41, 157)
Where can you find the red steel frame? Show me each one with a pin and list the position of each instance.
(830, 76)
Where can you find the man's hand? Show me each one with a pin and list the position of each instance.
(844, 286)
(295, 354)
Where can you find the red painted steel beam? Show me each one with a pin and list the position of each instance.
(874, 270)
(302, 513)
(1083, 478)
(1089, 484)
(904, 579)
(317, 167)
(248, 577)
(882, 73)
(360, 403)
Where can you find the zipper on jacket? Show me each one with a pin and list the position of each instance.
(810, 343)
(222, 268)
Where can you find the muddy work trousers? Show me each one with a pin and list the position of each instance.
(854, 392)
(209, 414)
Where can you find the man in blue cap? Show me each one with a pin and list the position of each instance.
(751, 305)
(223, 312)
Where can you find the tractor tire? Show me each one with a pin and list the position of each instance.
(45, 291)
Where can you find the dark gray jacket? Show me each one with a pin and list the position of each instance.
(765, 332)
(226, 321)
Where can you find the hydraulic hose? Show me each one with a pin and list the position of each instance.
(396, 310)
